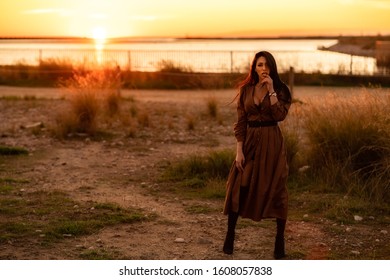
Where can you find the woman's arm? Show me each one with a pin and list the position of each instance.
(241, 125)
(280, 104)
(240, 131)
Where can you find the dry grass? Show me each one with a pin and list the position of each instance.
(144, 118)
(191, 122)
(91, 95)
(170, 67)
(344, 140)
(212, 106)
(349, 143)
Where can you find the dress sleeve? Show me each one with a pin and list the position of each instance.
(241, 124)
(280, 109)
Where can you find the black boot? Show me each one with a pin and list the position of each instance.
(279, 251)
(228, 245)
(229, 240)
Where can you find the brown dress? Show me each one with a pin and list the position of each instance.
(265, 194)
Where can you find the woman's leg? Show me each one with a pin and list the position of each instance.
(279, 251)
(229, 240)
(232, 222)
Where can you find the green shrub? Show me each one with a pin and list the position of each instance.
(214, 165)
(7, 151)
(204, 175)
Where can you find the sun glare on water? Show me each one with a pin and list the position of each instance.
(99, 35)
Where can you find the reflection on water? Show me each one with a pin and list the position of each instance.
(99, 47)
(198, 55)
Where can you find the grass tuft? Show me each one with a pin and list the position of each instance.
(92, 95)
(10, 151)
(202, 176)
(212, 107)
(214, 165)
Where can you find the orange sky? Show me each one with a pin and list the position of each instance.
(178, 18)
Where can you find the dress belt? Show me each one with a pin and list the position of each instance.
(261, 123)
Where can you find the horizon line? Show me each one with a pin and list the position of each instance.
(199, 37)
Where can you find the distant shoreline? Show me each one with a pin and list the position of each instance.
(118, 40)
(317, 37)
(358, 45)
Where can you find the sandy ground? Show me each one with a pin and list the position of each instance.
(124, 170)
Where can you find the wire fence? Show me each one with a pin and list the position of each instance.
(201, 61)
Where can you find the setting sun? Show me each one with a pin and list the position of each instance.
(99, 34)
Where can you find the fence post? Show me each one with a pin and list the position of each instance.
(231, 61)
(40, 56)
(129, 60)
(351, 65)
(291, 79)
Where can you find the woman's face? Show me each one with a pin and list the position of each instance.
(262, 68)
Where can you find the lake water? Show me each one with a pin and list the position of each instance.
(198, 55)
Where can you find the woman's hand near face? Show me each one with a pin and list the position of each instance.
(266, 80)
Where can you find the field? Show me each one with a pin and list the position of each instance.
(107, 195)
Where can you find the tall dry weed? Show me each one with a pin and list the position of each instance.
(293, 135)
(91, 94)
(191, 122)
(212, 106)
(349, 141)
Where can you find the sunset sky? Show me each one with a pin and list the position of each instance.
(178, 18)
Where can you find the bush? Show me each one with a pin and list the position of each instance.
(214, 165)
(90, 94)
(350, 143)
(291, 140)
(208, 173)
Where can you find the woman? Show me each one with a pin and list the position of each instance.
(256, 186)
